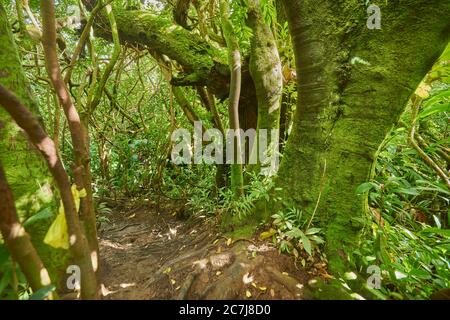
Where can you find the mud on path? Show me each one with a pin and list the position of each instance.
(152, 254)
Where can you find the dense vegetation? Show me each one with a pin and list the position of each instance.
(93, 91)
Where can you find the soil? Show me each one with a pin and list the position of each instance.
(152, 253)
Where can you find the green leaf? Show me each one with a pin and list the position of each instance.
(317, 239)
(295, 233)
(306, 244)
(439, 97)
(45, 213)
(5, 279)
(442, 232)
(420, 274)
(365, 187)
(42, 293)
(411, 191)
(311, 231)
(434, 109)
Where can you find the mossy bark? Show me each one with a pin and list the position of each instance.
(265, 69)
(26, 172)
(234, 60)
(353, 85)
(203, 63)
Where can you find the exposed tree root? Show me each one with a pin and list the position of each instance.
(180, 261)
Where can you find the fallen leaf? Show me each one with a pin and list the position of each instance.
(218, 273)
(229, 241)
(248, 294)
(172, 281)
(263, 288)
(272, 293)
(247, 278)
(167, 271)
(267, 234)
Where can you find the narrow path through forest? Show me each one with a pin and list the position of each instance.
(150, 253)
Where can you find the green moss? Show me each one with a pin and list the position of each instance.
(353, 85)
(243, 232)
(26, 171)
(159, 34)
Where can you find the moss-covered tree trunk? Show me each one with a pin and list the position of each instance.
(26, 172)
(234, 60)
(353, 83)
(265, 69)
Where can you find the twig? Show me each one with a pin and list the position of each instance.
(320, 194)
(411, 139)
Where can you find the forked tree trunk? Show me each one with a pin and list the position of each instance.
(78, 131)
(354, 83)
(78, 244)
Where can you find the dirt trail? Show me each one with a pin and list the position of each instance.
(152, 254)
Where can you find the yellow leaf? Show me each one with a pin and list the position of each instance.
(167, 271)
(248, 294)
(272, 293)
(285, 273)
(229, 241)
(172, 281)
(218, 273)
(57, 235)
(267, 234)
(423, 91)
(263, 288)
(77, 195)
(254, 285)
(82, 193)
(215, 241)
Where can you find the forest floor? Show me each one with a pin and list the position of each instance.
(151, 253)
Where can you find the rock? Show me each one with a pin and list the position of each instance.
(220, 261)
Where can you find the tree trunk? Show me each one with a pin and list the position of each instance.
(265, 69)
(237, 179)
(18, 241)
(25, 170)
(27, 175)
(79, 133)
(353, 84)
(78, 244)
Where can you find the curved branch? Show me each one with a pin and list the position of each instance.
(78, 244)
